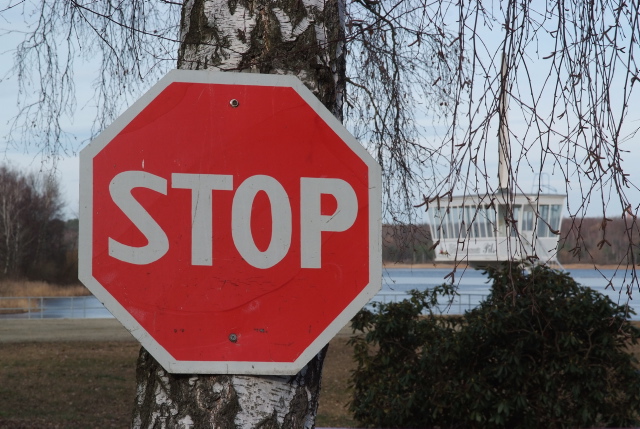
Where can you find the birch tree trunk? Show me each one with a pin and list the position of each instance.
(299, 37)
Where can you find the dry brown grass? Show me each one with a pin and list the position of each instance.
(92, 384)
(335, 393)
(67, 385)
(29, 288)
(19, 290)
(17, 305)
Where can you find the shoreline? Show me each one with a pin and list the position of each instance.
(462, 266)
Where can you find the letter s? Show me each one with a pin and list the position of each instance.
(120, 190)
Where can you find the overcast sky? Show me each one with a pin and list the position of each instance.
(12, 23)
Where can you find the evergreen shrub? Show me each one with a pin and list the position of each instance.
(540, 352)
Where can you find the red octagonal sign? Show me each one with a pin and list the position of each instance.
(230, 222)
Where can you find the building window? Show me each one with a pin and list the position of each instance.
(527, 218)
(543, 229)
(555, 217)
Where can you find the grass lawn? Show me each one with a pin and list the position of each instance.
(92, 385)
(67, 385)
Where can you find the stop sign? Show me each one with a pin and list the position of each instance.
(230, 222)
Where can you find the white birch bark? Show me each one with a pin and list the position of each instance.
(225, 401)
(299, 37)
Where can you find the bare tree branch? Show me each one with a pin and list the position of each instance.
(423, 80)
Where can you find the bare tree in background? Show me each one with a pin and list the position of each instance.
(14, 234)
(31, 228)
(422, 83)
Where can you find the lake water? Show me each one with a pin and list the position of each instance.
(473, 285)
(397, 282)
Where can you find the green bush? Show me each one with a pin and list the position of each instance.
(540, 352)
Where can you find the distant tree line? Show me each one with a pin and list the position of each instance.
(585, 240)
(34, 240)
(36, 243)
(409, 244)
(599, 241)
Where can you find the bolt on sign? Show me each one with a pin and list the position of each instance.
(230, 223)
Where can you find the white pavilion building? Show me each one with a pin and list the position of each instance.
(483, 230)
(506, 225)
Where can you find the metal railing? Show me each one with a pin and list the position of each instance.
(458, 305)
(47, 307)
(79, 307)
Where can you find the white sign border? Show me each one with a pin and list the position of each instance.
(148, 342)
